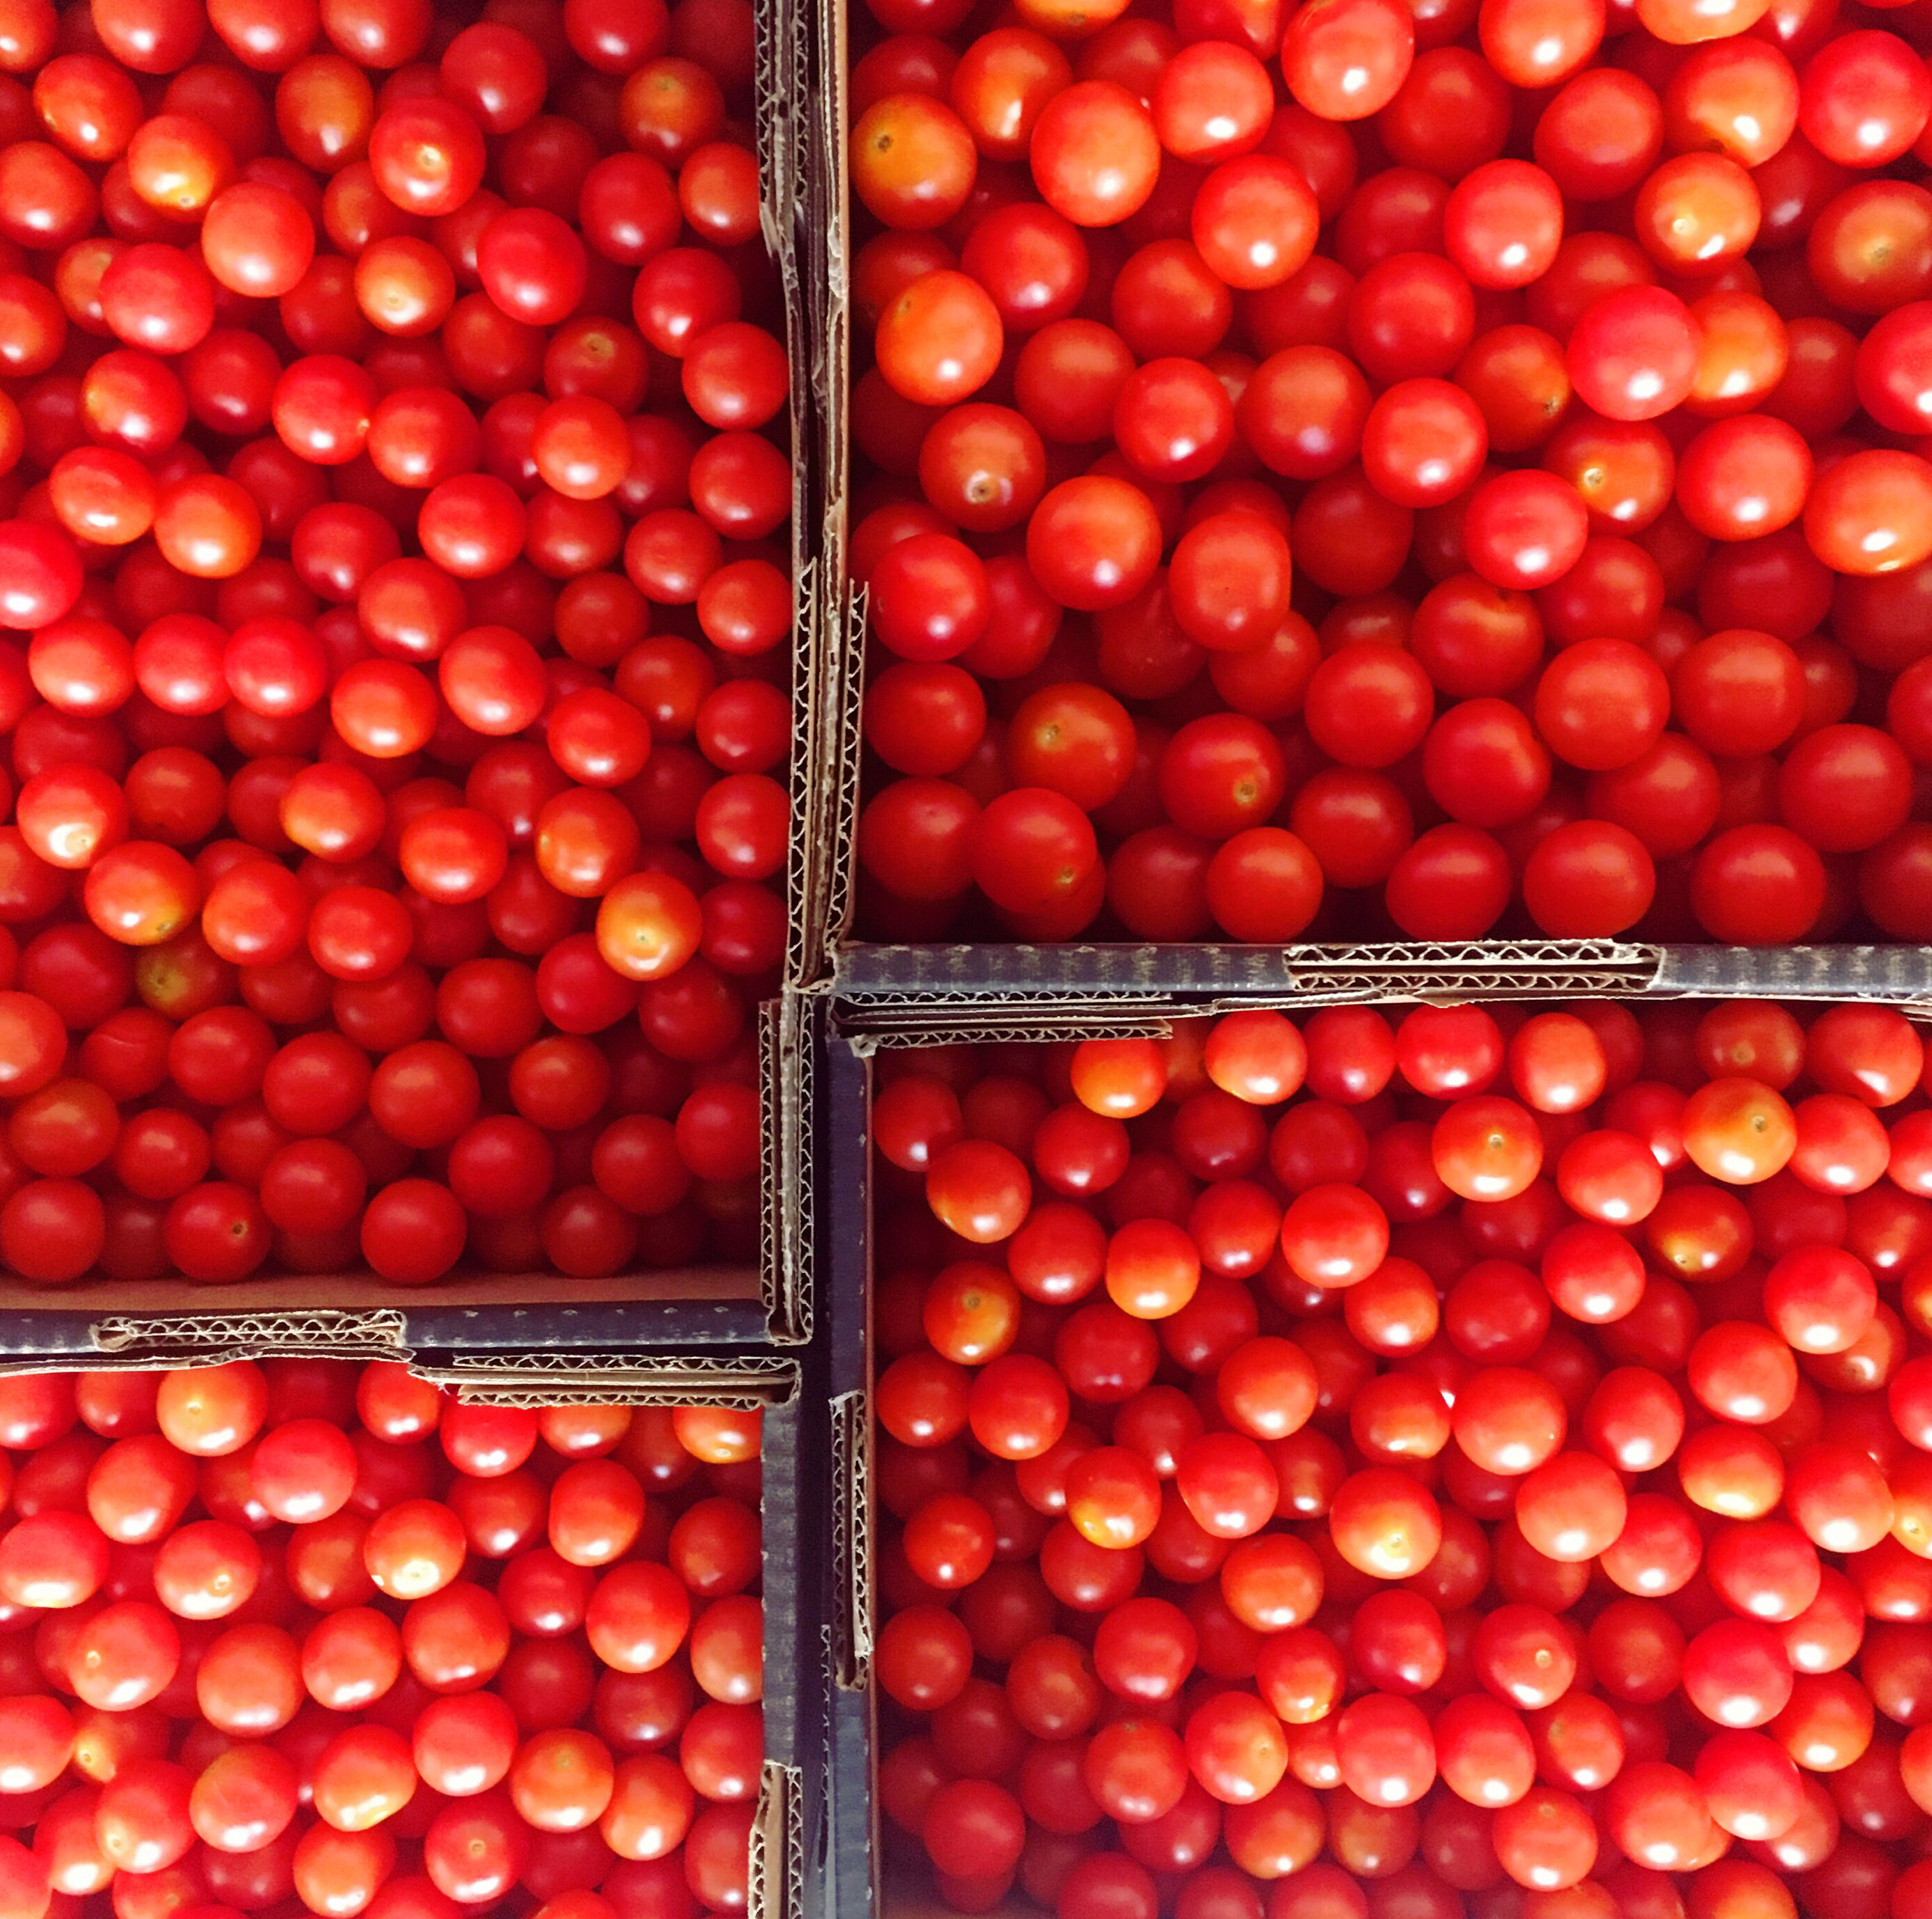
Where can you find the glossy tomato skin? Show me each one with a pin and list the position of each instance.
(1526, 1398)
(297, 1740)
(276, 750)
(1609, 426)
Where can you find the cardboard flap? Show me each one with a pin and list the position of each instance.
(564, 1379)
(845, 694)
(206, 1339)
(1901, 975)
(852, 1540)
(776, 1889)
(787, 1059)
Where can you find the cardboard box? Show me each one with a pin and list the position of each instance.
(1091, 979)
(790, 1795)
(863, 1883)
(676, 1307)
(985, 992)
(711, 1304)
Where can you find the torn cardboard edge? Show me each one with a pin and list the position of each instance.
(776, 1884)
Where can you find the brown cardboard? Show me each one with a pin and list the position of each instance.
(775, 1888)
(852, 1620)
(842, 618)
(576, 1378)
(494, 1379)
(790, 140)
(783, 93)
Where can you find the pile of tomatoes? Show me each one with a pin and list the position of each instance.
(1474, 1462)
(312, 1638)
(396, 596)
(1395, 468)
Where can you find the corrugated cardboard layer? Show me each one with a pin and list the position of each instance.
(1080, 969)
(841, 614)
(785, 137)
(961, 991)
(78, 1331)
(845, 619)
(788, 1061)
(596, 1379)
